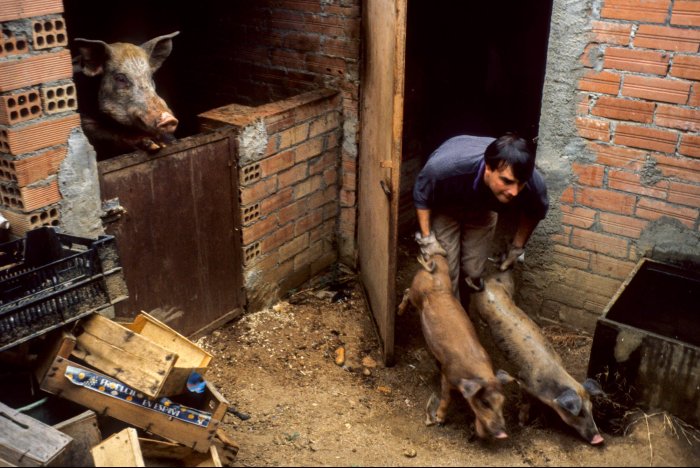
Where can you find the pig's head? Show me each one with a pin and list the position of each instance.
(486, 400)
(575, 408)
(127, 93)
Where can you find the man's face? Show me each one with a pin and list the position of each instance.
(502, 183)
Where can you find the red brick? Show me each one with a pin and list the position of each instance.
(678, 117)
(614, 267)
(589, 174)
(665, 38)
(656, 89)
(20, 107)
(617, 156)
(564, 237)
(37, 135)
(12, 45)
(293, 247)
(600, 82)
(682, 169)
(591, 55)
(593, 129)
(684, 194)
(694, 99)
(601, 243)
(30, 198)
(690, 146)
(293, 176)
(686, 66)
(258, 191)
(631, 182)
(583, 104)
(577, 216)
(324, 123)
(605, 200)
(35, 69)
(347, 198)
(276, 201)
(32, 169)
(686, 13)
(645, 137)
(623, 109)
(642, 61)
(294, 136)
(648, 11)
(16, 9)
(572, 257)
(259, 229)
(276, 163)
(307, 223)
(622, 225)
(308, 186)
(309, 149)
(293, 211)
(20, 223)
(278, 237)
(611, 33)
(652, 210)
(567, 196)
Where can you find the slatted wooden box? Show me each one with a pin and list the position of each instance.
(146, 354)
(193, 425)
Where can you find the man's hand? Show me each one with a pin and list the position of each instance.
(512, 256)
(429, 245)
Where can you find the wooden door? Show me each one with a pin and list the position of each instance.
(179, 237)
(381, 114)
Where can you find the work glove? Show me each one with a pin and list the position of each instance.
(429, 245)
(514, 254)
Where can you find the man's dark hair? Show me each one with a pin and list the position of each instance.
(514, 151)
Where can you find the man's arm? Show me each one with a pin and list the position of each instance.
(526, 226)
(423, 221)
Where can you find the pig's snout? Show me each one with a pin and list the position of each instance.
(500, 435)
(597, 439)
(167, 123)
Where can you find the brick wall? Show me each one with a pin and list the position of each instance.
(289, 154)
(637, 111)
(281, 48)
(37, 111)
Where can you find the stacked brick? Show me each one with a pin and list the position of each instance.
(37, 111)
(638, 111)
(288, 189)
(284, 48)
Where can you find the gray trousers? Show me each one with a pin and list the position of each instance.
(466, 236)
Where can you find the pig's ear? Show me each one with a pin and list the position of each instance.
(570, 401)
(593, 387)
(469, 387)
(93, 55)
(158, 49)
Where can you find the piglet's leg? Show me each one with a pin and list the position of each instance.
(445, 399)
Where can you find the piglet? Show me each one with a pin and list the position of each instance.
(538, 368)
(452, 339)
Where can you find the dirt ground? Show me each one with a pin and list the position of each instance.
(277, 367)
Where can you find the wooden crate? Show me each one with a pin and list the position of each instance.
(120, 449)
(146, 354)
(85, 431)
(192, 426)
(25, 441)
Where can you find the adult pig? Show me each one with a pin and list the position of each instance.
(538, 368)
(452, 339)
(120, 109)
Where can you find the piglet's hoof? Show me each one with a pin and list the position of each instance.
(431, 411)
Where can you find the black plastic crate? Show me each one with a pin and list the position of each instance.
(51, 279)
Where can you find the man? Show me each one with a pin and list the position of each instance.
(460, 190)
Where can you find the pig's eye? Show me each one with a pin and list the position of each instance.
(121, 79)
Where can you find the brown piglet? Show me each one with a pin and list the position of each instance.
(536, 365)
(452, 339)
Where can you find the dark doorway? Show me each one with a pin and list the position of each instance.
(471, 68)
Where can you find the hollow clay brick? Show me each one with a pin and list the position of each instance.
(20, 223)
(35, 136)
(16, 9)
(20, 107)
(28, 199)
(35, 69)
(32, 169)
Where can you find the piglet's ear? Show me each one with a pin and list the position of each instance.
(158, 49)
(504, 377)
(570, 401)
(593, 387)
(93, 55)
(469, 387)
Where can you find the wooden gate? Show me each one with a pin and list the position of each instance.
(179, 234)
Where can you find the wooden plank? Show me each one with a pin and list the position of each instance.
(85, 432)
(177, 454)
(380, 149)
(120, 449)
(25, 441)
(190, 356)
(198, 437)
(125, 355)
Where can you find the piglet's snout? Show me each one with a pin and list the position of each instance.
(167, 123)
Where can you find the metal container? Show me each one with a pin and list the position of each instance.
(647, 341)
